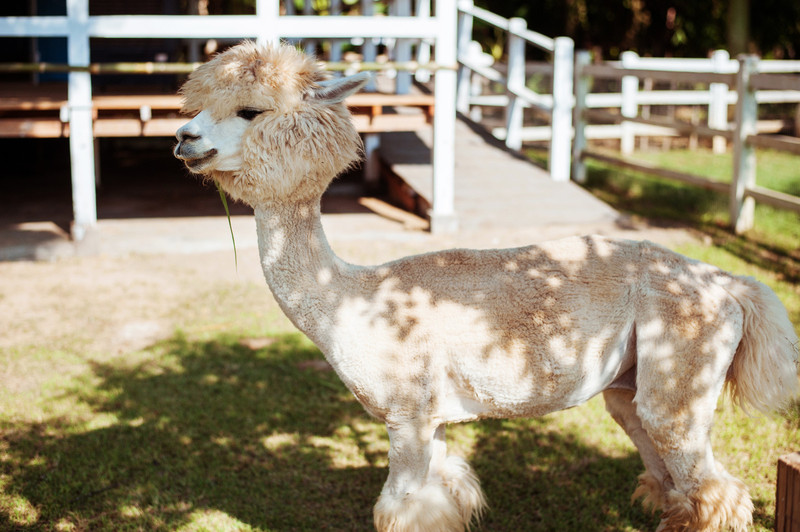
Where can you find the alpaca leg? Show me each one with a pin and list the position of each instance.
(426, 491)
(704, 496)
(655, 482)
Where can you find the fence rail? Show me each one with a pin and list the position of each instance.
(717, 83)
(746, 82)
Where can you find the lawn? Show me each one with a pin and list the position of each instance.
(156, 393)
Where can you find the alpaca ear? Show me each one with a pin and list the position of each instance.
(336, 90)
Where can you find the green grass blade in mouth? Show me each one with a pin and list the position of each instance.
(230, 225)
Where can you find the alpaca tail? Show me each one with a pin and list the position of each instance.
(764, 369)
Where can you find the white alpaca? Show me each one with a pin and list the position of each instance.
(462, 335)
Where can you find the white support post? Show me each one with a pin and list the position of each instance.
(630, 86)
(369, 50)
(515, 81)
(561, 118)
(268, 12)
(744, 157)
(464, 40)
(582, 59)
(718, 104)
(423, 12)
(443, 215)
(372, 168)
(336, 44)
(402, 8)
(81, 137)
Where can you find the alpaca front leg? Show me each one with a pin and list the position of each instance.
(425, 491)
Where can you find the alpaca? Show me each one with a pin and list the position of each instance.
(461, 335)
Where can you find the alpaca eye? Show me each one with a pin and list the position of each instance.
(248, 114)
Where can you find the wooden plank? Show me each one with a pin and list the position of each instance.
(33, 128)
(785, 82)
(607, 71)
(787, 494)
(776, 142)
(691, 179)
(682, 127)
(774, 198)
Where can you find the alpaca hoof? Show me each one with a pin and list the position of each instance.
(432, 508)
(720, 503)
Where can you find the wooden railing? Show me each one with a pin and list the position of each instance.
(745, 85)
(557, 104)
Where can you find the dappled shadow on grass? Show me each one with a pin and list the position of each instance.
(215, 426)
(537, 479)
(271, 442)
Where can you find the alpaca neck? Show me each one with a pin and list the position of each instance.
(300, 268)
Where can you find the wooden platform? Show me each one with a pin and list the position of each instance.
(40, 111)
(494, 187)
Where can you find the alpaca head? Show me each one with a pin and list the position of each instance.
(267, 126)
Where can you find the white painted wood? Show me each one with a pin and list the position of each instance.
(81, 139)
(423, 11)
(515, 82)
(561, 120)
(465, 50)
(718, 101)
(582, 87)
(443, 216)
(744, 158)
(372, 168)
(402, 48)
(629, 108)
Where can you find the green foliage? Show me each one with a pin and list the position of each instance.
(682, 28)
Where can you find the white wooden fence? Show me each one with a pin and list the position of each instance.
(266, 25)
(557, 104)
(750, 82)
(722, 82)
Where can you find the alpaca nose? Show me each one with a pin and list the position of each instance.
(184, 134)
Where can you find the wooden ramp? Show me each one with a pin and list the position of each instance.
(494, 187)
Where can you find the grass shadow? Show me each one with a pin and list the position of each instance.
(205, 426)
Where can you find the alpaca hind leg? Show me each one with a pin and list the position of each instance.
(655, 482)
(425, 491)
(704, 496)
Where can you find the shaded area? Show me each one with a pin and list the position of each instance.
(240, 428)
(138, 178)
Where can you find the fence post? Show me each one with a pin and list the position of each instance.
(423, 12)
(515, 81)
(582, 59)
(744, 157)
(561, 118)
(718, 104)
(81, 136)
(443, 214)
(630, 86)
(402, 49)
(464, 39)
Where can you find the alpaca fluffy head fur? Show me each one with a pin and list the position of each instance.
(267, 124)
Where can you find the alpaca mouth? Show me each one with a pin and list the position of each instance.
(195, 164)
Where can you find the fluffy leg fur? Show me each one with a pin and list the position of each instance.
(427, 491)
(720, 502)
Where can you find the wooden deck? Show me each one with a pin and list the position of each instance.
(39, 111)
(494, 187)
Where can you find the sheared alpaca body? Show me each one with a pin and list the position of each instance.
(461, 335)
